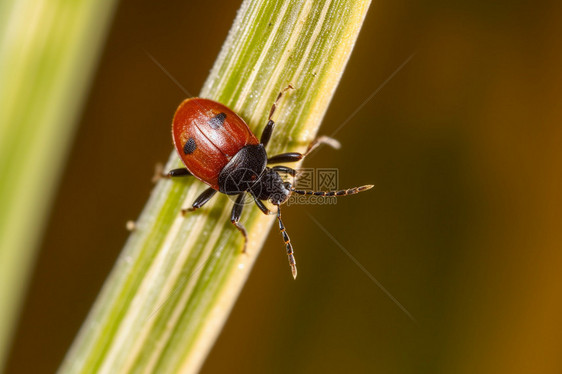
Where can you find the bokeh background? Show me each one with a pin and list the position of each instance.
(464, 227)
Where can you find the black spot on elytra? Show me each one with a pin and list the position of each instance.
(217, 121)
(189, 146)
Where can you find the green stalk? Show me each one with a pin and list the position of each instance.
(177, 279)
(48, 50)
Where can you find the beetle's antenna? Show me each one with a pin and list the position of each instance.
(288, 244)
(349, 191)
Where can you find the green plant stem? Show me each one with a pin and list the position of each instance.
(178, 277)
(48, 51)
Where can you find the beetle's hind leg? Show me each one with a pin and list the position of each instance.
(159, 173)
(235, 218)
(201, 200)
(181, 172)
(296, 156)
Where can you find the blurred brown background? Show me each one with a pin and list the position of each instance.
(463, 227)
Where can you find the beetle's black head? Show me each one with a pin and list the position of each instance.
(272, 187)
(281, 194)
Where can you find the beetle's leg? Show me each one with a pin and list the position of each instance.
(268, 130)
(262, 207)
(235, 218)
(322, 140)
(181, 172)
(285, 157)
(159, 173)
(201, 200)
(285, 170)
(295, 156)
(288, 244)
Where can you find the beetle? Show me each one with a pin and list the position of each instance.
(218, 148)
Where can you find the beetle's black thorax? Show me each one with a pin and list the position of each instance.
(247, 171)
(243, 170)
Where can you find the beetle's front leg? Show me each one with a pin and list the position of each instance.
(296, 156)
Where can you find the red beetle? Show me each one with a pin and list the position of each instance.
(218, 148)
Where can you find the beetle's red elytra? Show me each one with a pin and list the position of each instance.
(207, 135)
(218, 148)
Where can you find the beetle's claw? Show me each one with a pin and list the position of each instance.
(159, 173)
(184, 211)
